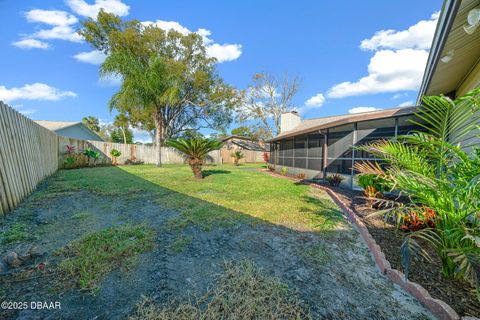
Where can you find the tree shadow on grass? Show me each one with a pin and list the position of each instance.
(204, 233)
(210, 172)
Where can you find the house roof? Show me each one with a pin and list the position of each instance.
(244, 142)
(56, 125)
(327, 122)
(452, 40)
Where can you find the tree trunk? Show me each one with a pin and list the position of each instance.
(158, 138)
(196, 166)
(124, 135)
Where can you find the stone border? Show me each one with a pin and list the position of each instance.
(438, 307)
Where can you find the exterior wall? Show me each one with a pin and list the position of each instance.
(471, 82)
(77, 132)
(305, 153)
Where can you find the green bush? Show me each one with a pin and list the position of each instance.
(335, 180)
(284, 171)
(434, 169)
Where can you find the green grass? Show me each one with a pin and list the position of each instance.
(225, 196)
(90, 258)
(16, 233)
(242, 292)
(81, 216)
(180, 243)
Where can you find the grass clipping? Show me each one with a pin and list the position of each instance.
(93, 256)
(243, 292)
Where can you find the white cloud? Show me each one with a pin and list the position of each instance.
(222, 52)
(93, 57)
(34, 91)
(51, 17)
(362, 109)
(408, 103)
(388, 71)
(315, 101)
(399, 95)
(397, 64)
(66, 33)
(31, 43)
(168, 25)
(82, 8)
(418, 36)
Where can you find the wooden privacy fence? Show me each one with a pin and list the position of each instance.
(133, 152)
(28, 154)
(250, 156)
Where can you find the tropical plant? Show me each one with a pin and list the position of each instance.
(284, 171)
(301, 176)
(335, 180)
(373, 185)
(70, 156)
(115, 154)
(91, 155)
(438, 168)
(237, 155)
(196, 150)
(266, 157)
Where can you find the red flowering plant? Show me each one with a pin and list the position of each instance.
(419, 218)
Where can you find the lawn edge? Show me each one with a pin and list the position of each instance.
(437, 307)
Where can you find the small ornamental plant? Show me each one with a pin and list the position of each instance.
(334, 180)
(284, 171)
(114, 153)
(266, 157)
(418, 219)
(237, 155)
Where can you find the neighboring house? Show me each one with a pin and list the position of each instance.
(69, 129)
(324, 146)
(453, 66)
(252, 150)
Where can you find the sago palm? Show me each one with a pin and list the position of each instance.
(438, 168)
(196, 149)
(237, 156)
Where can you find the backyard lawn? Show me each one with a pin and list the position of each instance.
(154, 243)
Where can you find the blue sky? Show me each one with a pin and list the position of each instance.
(357, 54)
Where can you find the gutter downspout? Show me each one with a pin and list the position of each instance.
(325, 153)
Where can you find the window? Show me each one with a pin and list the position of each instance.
(340, 141)
(315, 145)
(300, 146)
(340, 166)
(373, 130)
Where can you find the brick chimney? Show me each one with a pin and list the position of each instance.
(289, 120)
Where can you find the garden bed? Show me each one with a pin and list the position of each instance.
(458, 294)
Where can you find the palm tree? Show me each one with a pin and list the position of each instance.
(439, 169)
(195, 149)
(237, 155)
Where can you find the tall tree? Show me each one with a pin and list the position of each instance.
(169, 83)
(266, 99)
(119, 135)
(92, 123)
(122, 124)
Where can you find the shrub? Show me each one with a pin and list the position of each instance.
(196, 149)
(70, 157)
(237, 155)
(115, 154)
(266, 157)
(91, 154)
(373, 185)
(417, 219)
(301, 176)
(335, 180)
(434, 169)
(284, 171)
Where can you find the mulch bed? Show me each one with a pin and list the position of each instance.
(458, 294)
